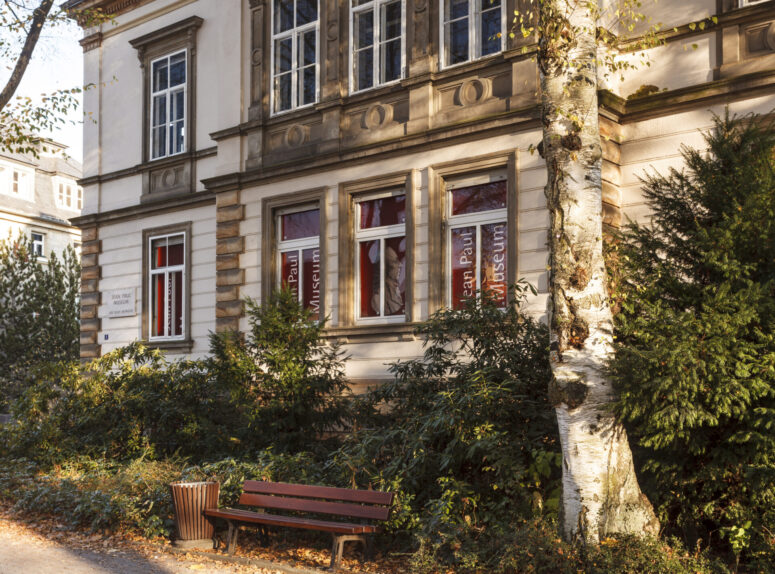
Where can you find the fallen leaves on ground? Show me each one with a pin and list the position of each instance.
(285, 547)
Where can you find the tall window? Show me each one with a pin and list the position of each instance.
(167, 284)
(377, 42)
(16, 182)
(294, 53)
(380, 257)
(477, 241)
(471, 29)
(298, 252)
(168, 105)
(38, 244)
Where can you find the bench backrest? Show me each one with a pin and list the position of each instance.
(362, 504)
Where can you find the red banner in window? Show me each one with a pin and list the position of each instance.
(289, 268)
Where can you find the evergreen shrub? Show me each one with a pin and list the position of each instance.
(465, 435)
(39, 313)
(695, 356)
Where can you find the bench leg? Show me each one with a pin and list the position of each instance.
(231, 538)
(336, 552)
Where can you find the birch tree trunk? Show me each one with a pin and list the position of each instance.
(601, 495)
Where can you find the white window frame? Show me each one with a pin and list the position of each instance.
(376, 233)
(477, 219)
(65, 189)
(167, 271)
(298, 245)
(294, 34)
(744, 3)
(38, 245)
(17, 181)
(375, 6)
(474, 40)
(168, 92)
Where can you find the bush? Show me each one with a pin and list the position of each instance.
(695, 360)
(281, 388)
(38, 314)
(465, 435)
(286, 381)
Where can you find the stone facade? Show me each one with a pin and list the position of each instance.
(246, 162)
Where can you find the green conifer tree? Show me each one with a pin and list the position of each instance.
(38, 313)
(695, 357)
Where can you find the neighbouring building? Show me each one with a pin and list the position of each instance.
(39, 196)
(373, 154)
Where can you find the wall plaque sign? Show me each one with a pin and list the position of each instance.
(121, 302)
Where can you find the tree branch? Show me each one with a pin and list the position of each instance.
(38, 19)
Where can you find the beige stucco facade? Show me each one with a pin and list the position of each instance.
(244, 163)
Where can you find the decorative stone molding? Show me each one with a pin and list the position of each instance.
(377, 115)
(229, 245)
(90, 293)
(91, 42)
(474, 91)
(296, 135)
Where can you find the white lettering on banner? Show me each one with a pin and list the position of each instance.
(292, 277)
(314, 302)
(467, 259)
(497, 283)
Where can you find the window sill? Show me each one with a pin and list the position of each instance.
(175, 347)
(383, 333)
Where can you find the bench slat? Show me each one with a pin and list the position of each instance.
(328, 492)
(291, 521)
(317, 506)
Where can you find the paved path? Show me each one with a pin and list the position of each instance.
(25, 551)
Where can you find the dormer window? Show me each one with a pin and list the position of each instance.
(68, 195)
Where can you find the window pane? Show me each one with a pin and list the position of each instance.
(283, 58)
(364, 29)
(308, 85)
(289, 271)
(307, 49)
(391, 20)
(306, 11)
(300, 224)
(177, 137)
(159, 253)
(395, 275)
(159, 144)
(365, 69)
(490, 32)
(178, 105)
(157, 305)
(494, 257)
(476, 198)
(391, 65)
(456, 41)
(311, 278)
(159, 75)
(175, 250)
(383, 211)
(463, 265)
(178, 69)
(176, 302)
(456, 9)
(283, 92)
(159, 112)
(369, 278)
(283, 15)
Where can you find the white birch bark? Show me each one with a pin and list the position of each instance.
(601, 495)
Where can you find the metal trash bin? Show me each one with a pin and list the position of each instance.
(190, 500)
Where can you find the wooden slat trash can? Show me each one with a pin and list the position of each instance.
(190, 500)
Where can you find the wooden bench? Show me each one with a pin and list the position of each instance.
(358, 509)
